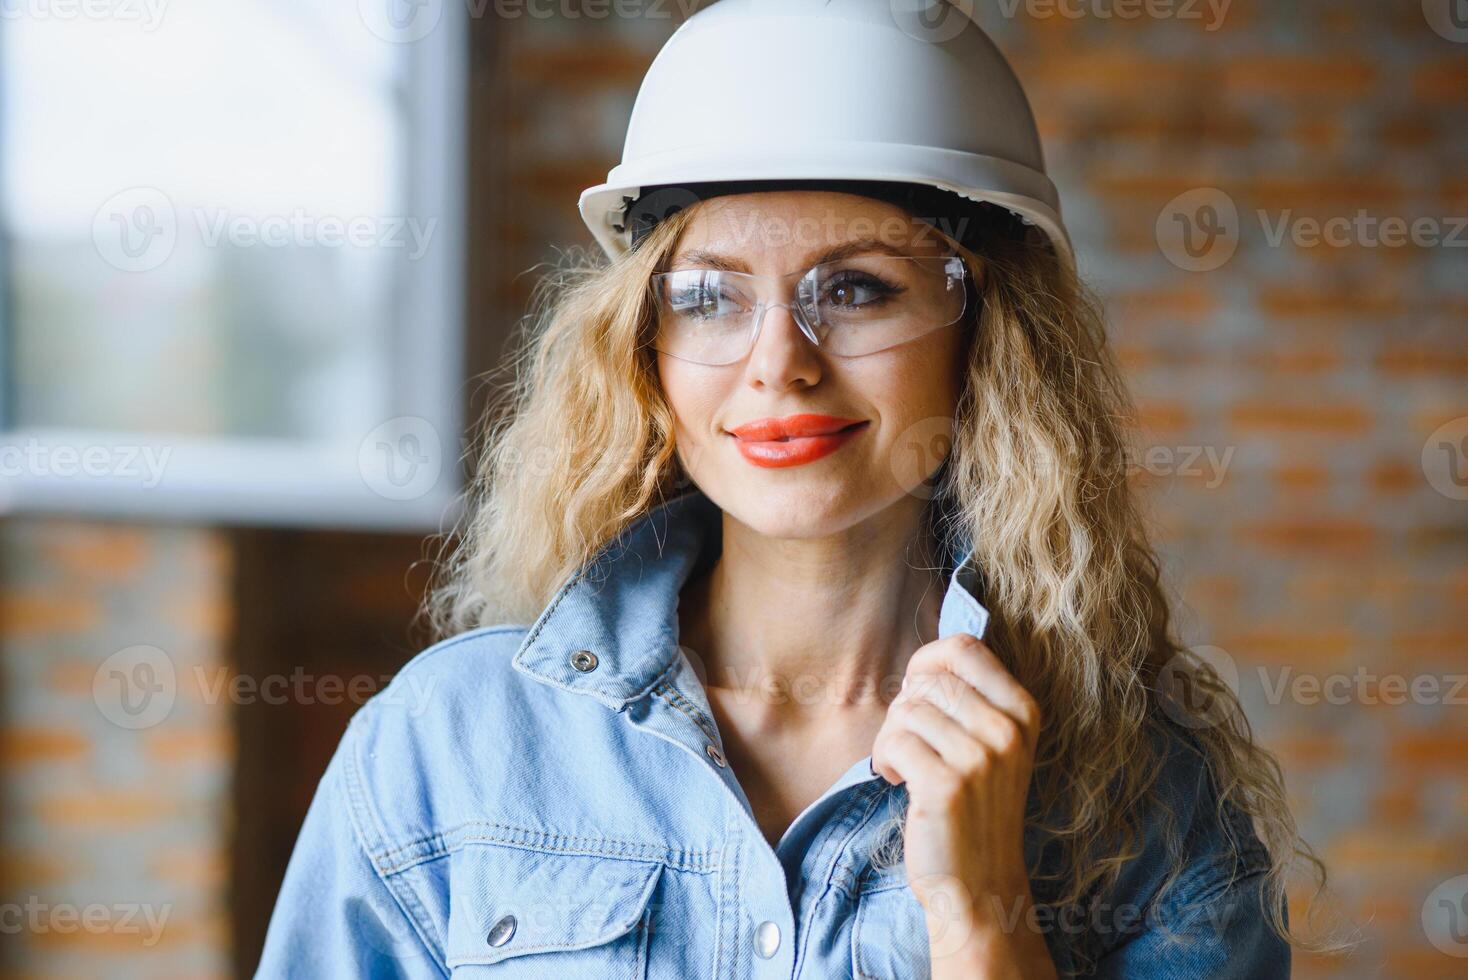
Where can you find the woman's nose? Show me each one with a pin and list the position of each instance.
(784, 351)
(787, 323)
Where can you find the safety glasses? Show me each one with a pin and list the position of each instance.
(847, 307)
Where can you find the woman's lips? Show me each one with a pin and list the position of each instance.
(762, 444)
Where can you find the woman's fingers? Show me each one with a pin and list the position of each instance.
(967, 713)
(944, 733)
(901, 755)
(960, 703)
(934, 666)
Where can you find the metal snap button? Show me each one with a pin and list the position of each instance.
(715, 754)
(766, 939)
(502, 931)
(584, 661)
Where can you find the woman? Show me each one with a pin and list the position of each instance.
(805, 625)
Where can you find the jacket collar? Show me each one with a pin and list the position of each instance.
(623, 604)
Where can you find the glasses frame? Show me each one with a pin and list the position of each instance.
(954, 266)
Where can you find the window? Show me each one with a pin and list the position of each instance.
(231, 269)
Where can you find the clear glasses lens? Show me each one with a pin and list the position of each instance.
(850, 307)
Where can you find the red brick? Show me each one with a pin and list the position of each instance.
(1318, 134)
(201, 868)
(1183, 305)
(29, 869)
(1157, 417)
(1291, 645)
(1448, 646)
(1313, 417)
(1413, 131)
(1443, 81)
(1444, 750)
(41, 745)
(1287, 76)
(1395, 476)
(1319, 194)
(1165, 126)
(576, 66)
(1113, 72)
(1387, 850)
(1315, 536)
(113, 810)
(1289, 361)
(98, 552)
(1305, 751)
(1338, 302)
(46, 612)
(205, 615)
(1404, 360)
(1301, 477)
(174, 745)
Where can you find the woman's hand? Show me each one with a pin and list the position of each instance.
(962, 736)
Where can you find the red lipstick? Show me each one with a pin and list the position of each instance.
(794, 439)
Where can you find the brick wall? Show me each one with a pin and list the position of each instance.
(114, 814)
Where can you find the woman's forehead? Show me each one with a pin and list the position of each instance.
(785, 226)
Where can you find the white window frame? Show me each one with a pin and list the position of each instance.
(233, 480)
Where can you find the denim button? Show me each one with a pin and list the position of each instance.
(766, 939)
(715, 754)
(502, 931)
(583, 660)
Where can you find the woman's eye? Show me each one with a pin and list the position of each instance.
(851, 289)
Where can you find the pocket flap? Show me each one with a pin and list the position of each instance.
(556, 901)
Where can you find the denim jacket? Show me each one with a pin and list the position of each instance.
(552, 801)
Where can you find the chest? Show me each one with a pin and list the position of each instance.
(784, 769)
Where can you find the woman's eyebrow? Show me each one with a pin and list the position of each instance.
(707, 259)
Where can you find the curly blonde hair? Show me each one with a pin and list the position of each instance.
(1036, 479)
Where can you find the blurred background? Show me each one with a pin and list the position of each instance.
(258, 258)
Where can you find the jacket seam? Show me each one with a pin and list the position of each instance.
(358, 808)
(676, 700)
(434, 846)
(843, 875)
(731, 884)
(869, 799)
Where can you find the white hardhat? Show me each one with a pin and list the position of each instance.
(904, 92)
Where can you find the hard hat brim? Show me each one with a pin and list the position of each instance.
(1023, 190)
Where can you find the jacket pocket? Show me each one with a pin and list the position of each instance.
(889, 937)
(537, 914)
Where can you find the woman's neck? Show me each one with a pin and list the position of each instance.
(831, 622)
